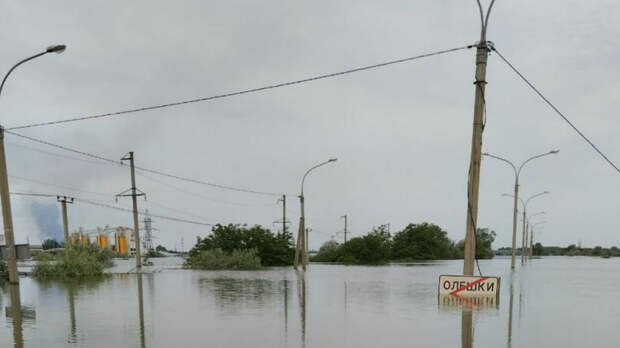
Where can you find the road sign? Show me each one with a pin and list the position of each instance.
(468, 286)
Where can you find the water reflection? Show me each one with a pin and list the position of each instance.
(345, 299)
(467, 330)
(458, 303)
(15, 313)
(232, 293)
(510, 312)
(285, 281)
(301, 294)
(72, 321)
(141, 311)
(72, 289)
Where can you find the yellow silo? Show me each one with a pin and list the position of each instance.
(121, 244)
(103, 241)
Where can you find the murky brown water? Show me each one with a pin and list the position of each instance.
(553, 302)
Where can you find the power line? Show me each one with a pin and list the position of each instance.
(32, 194)
(191, 193)
(63, 148)
(184, 212)
(153, 171)
(60, 186)
(557, 111)
(59, 155)
(245, 91)
(103, 205)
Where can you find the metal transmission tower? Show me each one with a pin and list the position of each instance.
(148, 231)
(133, 192)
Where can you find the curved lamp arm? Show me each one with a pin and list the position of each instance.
(51, 49)
(484, 22)
(534, 196)
(532, 216)
(552, 152)
(311, 169)
(504, 160)
(520, 199)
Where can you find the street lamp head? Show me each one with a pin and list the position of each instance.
(332, 160)
(554, 151)
(56, 49)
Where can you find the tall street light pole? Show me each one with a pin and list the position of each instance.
(482, 53)
(4, 182)
(301, 247)
(528, 236)
(532, 236)
(517, 172)
(524, 204)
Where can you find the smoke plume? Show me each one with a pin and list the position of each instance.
(47, 218)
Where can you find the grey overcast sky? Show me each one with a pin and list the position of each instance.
(401, 133)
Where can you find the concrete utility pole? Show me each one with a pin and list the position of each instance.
(524, 206)
(345, 228)
(7, 218)
(516, 195)
(65, 221)
(307, 243)
(284, 222)
(526, 227)
(301, 243)
(134, 195)
(482, 53)
(301, 247)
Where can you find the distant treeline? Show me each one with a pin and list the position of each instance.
(425, 241)
(250, 247)
(571, 250)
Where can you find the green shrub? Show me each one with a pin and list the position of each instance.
(42, 256)
(217, 259)
(371, 249)
(76, 262)
(153, 253)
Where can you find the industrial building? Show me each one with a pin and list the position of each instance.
(120, 239)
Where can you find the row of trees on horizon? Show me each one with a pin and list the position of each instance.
(424, 241)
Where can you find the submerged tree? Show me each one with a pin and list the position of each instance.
(422, 242)
(272, 249)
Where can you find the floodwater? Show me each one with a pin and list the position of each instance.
(551, 302)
